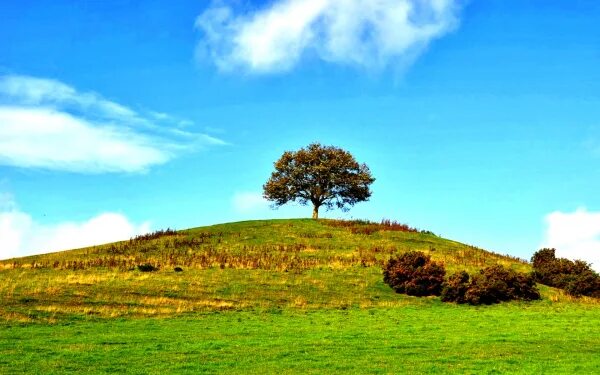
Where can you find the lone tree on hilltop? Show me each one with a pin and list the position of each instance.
(322, 175)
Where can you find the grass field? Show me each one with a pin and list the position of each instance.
(285, 296)
(431, 337)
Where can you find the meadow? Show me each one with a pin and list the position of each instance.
(291, 296)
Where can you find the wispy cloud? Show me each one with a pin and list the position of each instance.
(20, 235)
(47, 124)
(575, 235)
(364, 33)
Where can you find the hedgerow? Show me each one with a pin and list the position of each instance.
(414, 273)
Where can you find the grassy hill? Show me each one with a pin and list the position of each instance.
(273, 296)
(254, 264)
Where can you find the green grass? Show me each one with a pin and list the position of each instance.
(282, 296)
(431, 338)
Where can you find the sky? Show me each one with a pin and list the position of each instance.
(480, 120)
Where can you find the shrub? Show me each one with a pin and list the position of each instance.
(147, 267)
(455, 288)
(491, 285)
(178, 269)
(414, 273)
(497, 284)
(575, 277)
(586, 283)
(543, 257)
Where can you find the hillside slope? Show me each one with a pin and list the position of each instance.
(296, 244)
(281, 296)
(254, 264)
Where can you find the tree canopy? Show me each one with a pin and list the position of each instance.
(325, 176)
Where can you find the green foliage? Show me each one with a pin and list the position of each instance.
(322, 175)
(414, 273)
(575, 277)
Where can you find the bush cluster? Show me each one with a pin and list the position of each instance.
(491, 285)
(414, 273)
(575, 277)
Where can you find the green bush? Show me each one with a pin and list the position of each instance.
(414, 273)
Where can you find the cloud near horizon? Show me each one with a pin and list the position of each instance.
(47, 124)
(361, 33)
(575, 235)
(21, 235)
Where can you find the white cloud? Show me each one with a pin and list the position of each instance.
(41, 91)
(45, 138)
(575, 235)
(249, 202)
(47, 124)
(366, 33)
(20, 235)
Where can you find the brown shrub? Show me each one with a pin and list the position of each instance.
(455, 288)
(414, 273)
(575, 277)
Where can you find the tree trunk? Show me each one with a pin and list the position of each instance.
(315, 212)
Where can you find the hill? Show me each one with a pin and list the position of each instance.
(299, 296)
(304, 263)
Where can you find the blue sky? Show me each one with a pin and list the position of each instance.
(480, 119)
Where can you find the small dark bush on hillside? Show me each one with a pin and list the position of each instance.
(455, 288)
(575, 277)
(414, 273)
(178, 269)
(146, 268)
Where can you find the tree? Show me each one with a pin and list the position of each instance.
(325, 176)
